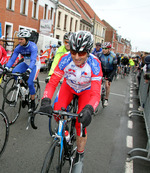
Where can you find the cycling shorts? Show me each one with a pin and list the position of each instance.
(21, 68)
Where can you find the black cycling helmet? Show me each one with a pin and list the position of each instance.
(24, 33)
(98, 44)
(81, 41)
(147, 59)
(67, 35)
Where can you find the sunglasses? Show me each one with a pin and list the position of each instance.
(66, 42)
(79, 53)
(105, 48)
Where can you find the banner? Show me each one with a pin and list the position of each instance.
(45, 25)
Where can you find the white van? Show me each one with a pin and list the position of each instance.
(45, 41)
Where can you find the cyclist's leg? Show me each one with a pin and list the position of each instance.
(32, 89)
(83, 100)
(21, 68)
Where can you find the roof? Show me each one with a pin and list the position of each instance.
(81, 11)
(90, 12)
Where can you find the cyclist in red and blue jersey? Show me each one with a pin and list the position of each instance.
(97, 50)
(82, 76)
(109, 66)
(30, 66)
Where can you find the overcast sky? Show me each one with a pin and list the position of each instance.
(131, 19)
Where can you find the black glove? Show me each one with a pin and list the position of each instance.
(46, 106)
(25, 75)
(6, 69)
(85, 115)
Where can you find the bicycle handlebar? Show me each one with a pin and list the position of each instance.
(58, 112)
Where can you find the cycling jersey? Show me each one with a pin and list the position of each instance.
(124, 61)
(97, 53)
(60, 51)
(3, 56)
(109, 64)
(29, 52)
(84, 81)
(108, 61)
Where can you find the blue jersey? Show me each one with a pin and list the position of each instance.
(29, 52)
(108, 61)
(97, 53)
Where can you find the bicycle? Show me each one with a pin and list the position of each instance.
(4, 131)
(60, 150)
(18, 96)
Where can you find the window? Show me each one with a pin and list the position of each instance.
(80, 26)
(76, 25)
(45, 11)
(71, 23)
(24, 7)
(59, 16)
(35, 9)
(10, 4)
(65, 22)
(51, 13)
(57, 36)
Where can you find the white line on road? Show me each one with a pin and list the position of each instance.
(131, 105)
(130, 124)
(129, 141)
(121, 95)
(129, 167)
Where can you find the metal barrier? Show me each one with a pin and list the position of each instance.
(144, 96)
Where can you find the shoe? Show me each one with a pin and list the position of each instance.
(47, 79)
(141, 109)
(24, 103)
(118, 76)
(106, 103)
(31, 106)
(78, 163)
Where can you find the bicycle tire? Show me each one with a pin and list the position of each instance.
(12, 107)
(4, 131)
(38, 93)
(53, 162)
(8, 84)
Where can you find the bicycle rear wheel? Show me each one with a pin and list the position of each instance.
(12, 104)
(53, 161)
(4, 131)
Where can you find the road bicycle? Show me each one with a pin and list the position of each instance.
(61, 150)
(18, 96)
(4, 131)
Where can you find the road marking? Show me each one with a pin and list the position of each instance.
(129, 141)
(130, 124)
(129, 167)
(131, 91)
(131, 95)
(131, 100)
(121, 95)
(131, 105)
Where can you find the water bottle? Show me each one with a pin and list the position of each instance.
(67, 136)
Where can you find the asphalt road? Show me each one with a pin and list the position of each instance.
(107, 145)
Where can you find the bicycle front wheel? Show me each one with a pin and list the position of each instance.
(12, 104)
(8, 84)
(38, 92)
(4, 131)
(53, 161)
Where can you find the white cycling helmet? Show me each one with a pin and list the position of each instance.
(24, 33)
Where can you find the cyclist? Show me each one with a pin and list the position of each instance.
(109, 66)
(125, 63)
(82, 76)
(97, 50)
(60, 51)
(30, 66)
(118, 64)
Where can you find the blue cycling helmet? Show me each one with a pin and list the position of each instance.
(54, 46)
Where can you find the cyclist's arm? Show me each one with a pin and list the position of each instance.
(33, 57)
(96, 81)
(13, 58)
